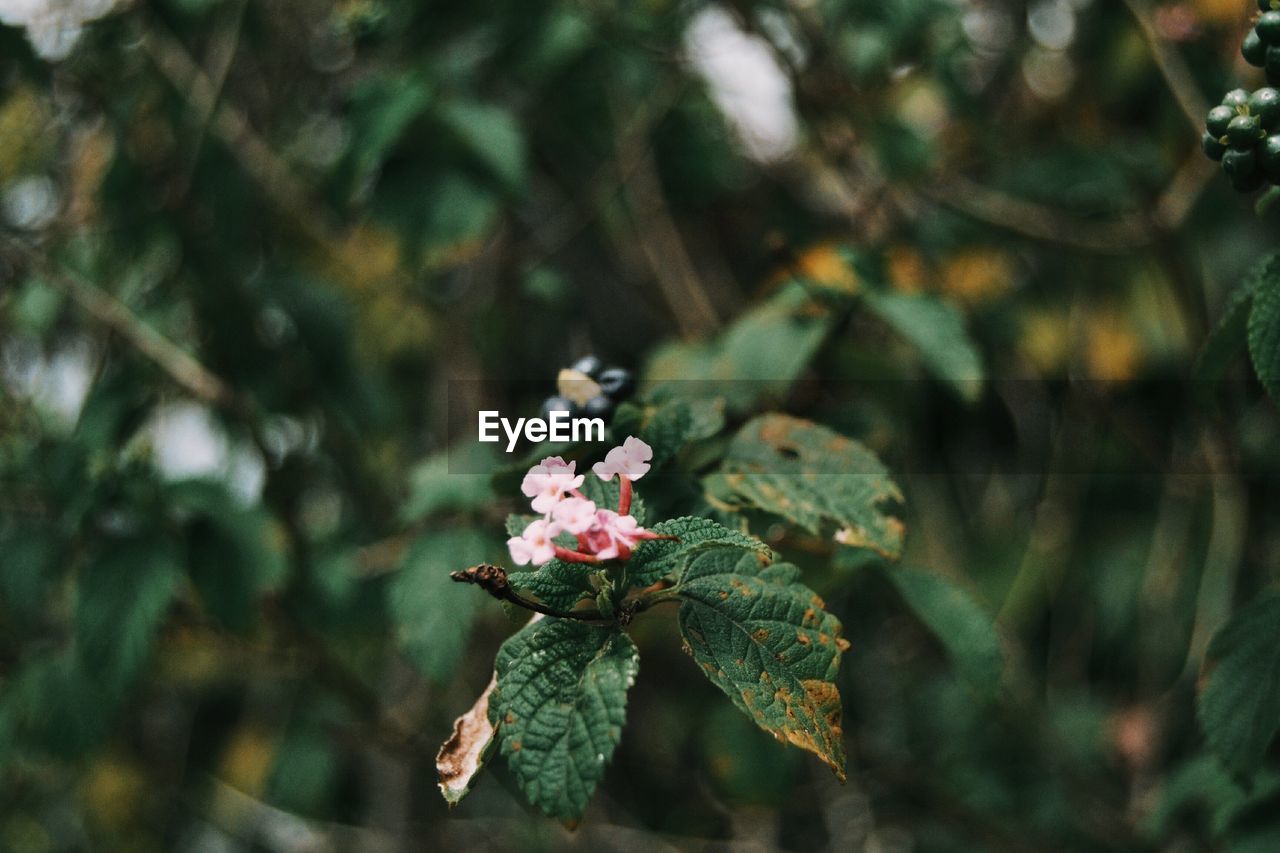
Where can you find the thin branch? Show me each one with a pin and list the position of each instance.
(268, 169)
(1042, 223)
(180, 366)
(493, 580)
(1172, 66)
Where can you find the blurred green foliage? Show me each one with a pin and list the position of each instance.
(246, 247)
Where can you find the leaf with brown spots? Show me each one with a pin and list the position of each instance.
(813, 477)
(561, 699)
(763, 638)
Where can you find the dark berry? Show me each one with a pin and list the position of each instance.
(1269, 158)
(588, 364)
(1213, 147)
(1238, 98)
(1248, 184)
(1272, 66)
(1240, 165)
(1244, 131)
(1218, 120)
(599, 406)
(1253, 50)
(559, 404)
(1265, 104)
(1268, 28)
(618, 383)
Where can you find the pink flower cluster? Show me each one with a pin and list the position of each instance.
(603, 534)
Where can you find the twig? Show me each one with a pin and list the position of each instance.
(493, 580)
(661, 245)
(1035, 220)
(1172, 66)
(181, 367)
(221, 52)
(268, 169)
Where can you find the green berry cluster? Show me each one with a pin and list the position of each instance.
(1261, 46)
(1243, 133)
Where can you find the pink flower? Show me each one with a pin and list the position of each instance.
(631, 460)
(534, 545)
(612, 536)
(574, 515)
(547, 482)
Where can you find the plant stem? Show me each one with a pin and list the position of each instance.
(493, 580)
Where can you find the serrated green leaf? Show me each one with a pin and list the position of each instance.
(963, 627)
(432, 613)
(121, 599)
(1264, 332)
(516, 523)
(765, 640)
(605, 494)
(557, 584)
(669, 425)
(936, 329)
(655, 559)
(560, 705)
(811, 475)
(1239, 707)
(1226, 339)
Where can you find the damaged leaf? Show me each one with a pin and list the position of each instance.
(462, 756)
(765, 640)
(812, 476)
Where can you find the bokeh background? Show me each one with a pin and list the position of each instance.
(247, 246)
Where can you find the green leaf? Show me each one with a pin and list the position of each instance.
(765, 640)
(51, 704)
(492, 135)
(936, 329)
(234, 555)
(121, 599)
(654, 559)
(30, 558)
(1239, 707)
(757, 358)
(1264, 331)
(605, 494)
(433, 614)
(1226, 339)
(560, 705)
(669, 425)
(434, 489)
(557, 584)
(809, 475)
(963, 627)
(382, 109)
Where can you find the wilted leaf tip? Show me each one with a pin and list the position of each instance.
(462, 756)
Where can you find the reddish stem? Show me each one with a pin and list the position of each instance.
(568, 556)
(624, 495)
